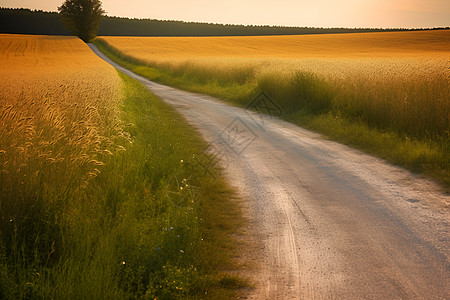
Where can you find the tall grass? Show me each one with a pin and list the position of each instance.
(53, 143)
(404, 95)
(415, 106)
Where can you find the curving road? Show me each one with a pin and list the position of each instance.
(329, 221)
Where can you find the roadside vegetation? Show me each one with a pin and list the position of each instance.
(105, 191)
(385, 93)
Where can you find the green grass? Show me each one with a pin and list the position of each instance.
(413, 134)
(132, 232)
(427, 158)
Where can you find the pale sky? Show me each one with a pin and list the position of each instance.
(311, 13)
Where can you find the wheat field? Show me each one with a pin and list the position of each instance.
(59, 124)
(392, 80)
(355, 45)
(58, 106)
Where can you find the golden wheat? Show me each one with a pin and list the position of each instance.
(58, 112)
(341, 55)
(399, 44)
(396, 80)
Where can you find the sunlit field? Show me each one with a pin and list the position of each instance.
(395, 83)
(85, 170)
(395, 80)
(58, 110)
(356, 45)
(59, 124)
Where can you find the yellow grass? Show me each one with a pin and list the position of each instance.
(399, 54)
(426, 43)
(57, 108)
(394, 80)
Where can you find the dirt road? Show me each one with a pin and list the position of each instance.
(330, 221)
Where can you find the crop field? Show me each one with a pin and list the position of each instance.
(385, 44)
(85, 166)
(59, 125)
(59, 104)
(369, 72)
(397, 83)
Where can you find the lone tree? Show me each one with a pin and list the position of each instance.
(82, 17)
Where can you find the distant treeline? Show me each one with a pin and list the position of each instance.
(26, 21)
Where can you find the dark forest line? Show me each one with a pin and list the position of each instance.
(26, 21)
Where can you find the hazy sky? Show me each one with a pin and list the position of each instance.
(322, 13)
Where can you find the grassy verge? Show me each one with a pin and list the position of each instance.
(233, 85)
(152, 224)
(413, 134)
